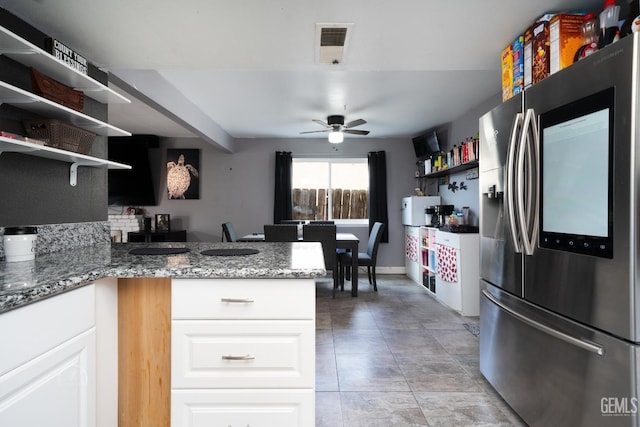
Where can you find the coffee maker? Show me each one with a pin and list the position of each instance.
(439, 219)
(431, 217)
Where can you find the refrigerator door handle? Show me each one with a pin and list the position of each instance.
(528, 213)
(578, 342)
(509, 184)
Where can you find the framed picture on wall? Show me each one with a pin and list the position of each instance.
(163, 222)
(183, 173)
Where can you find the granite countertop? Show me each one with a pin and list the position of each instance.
(30, 281)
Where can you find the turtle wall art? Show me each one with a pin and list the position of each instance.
(183, 172)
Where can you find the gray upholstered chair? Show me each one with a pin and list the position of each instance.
(325, 234)
(368, 258)
(228, 232)
(280, 233)
(292, 221)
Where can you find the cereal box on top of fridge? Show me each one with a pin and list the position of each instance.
(527, 54)
(518, 64)
(540, 48)
(565, 38)
(507, 72)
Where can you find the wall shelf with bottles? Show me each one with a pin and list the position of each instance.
(9, 145)
(25, 52)
(462, 167)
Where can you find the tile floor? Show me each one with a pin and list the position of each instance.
(399, 358)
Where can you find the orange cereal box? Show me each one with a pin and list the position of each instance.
(507, 72)
(565, 38)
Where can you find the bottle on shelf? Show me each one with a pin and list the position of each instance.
(609, 23)
(589, 31)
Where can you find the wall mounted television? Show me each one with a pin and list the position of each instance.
(426, 145)
(135, 187)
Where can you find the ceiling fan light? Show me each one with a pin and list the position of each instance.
(336, 137)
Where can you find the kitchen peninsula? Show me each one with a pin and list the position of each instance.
(188, 339)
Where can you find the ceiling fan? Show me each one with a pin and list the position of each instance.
(335, 125)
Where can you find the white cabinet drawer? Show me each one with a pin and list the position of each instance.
(242, 354)
(243, 299)
(244, 408)
(448, 239)
(36, 328)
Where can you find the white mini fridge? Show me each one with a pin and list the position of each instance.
(413, 209)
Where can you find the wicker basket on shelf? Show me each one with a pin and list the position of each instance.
(60, 135)
(55, 91)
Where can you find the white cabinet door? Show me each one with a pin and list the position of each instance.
(411, 252)
(243, 408)
(457, 278)
(55, 389)
(36, 328)
(242, 354)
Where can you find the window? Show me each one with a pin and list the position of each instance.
(330, 189)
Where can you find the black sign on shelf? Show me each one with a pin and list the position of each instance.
(67, 55)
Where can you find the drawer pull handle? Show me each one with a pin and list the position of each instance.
(246, 357)
(241, 300)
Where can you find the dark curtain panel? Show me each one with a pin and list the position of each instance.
(378, 192)
(283, 199)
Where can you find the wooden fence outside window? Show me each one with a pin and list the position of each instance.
(311, 203)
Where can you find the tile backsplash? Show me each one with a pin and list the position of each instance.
(59, 237)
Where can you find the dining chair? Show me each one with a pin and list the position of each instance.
(292, 221)
(368, 259)
(321, 221)
(228, 232)
(325, 234)
(280, 233)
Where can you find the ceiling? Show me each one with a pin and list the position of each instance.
(227, 69)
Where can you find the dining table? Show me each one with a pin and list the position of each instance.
(347, 241)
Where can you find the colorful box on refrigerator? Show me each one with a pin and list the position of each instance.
(518, 64)
(540, 48)
(507, 72)
(565, 38)
(527, 63)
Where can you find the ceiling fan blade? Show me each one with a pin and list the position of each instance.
(355, 123)
(356, 132)
(321, 123)
(314, 131)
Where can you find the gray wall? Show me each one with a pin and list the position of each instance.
(461, 128)
(239, 187)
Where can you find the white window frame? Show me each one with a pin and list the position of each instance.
(326, 159)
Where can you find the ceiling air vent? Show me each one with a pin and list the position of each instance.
(331, 42)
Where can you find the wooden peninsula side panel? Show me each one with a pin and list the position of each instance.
(144, 352)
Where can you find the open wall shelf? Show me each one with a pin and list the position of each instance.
(29, 101)
(462, 167)
(25, 52)
(8, 145)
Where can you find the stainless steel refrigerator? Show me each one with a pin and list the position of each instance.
(560, 235)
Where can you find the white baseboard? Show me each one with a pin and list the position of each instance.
(389, 269)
